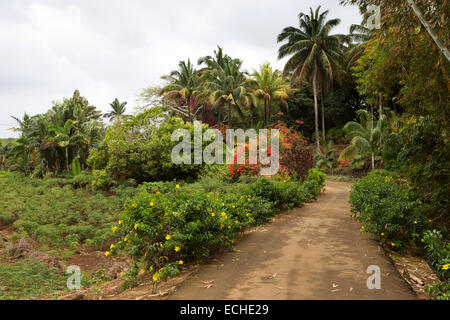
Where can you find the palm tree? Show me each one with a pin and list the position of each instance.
(182, 85)
(315, 54)
(225, 83)
(227, 86)
(62, 137)
(118, 110)
(270, 86)
(366, 138)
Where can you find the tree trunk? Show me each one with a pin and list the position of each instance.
(269, 107)
(188, 100)
(380, 104)
(219, 112)
(373, 161)
(430, 31)
(67, 157)
(323, 116)
(265, 112)
(229, 115)
(316, 107)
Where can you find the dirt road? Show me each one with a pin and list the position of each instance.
(315, 252)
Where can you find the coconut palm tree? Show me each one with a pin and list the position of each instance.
(314, 53)
(62, 137)
(270, 86)
(182, 85)
(225, 83)
(118, 110)
(366, 138)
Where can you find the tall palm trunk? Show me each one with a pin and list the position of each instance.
(265, 112)
(67, 158)
(316, 107)
(219, 119)
(373, 161)
(188, 100)
(269, 107)
(380, 102)
(323, 115)
(229, 115)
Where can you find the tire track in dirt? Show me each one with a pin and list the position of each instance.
(314, 252)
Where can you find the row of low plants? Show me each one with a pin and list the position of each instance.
(161, 228)
(390, 209)
(56, 212)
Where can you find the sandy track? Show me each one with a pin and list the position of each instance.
(315, 252)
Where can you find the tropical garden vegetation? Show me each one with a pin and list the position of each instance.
(373, 100)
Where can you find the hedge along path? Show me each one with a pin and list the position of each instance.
(314, 252)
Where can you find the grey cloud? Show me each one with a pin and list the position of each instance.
(111, 48)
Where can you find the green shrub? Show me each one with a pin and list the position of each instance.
(162, 230)
(437, 251)
(399, 219)
(313, 184)
(388, 210)
(101, 179)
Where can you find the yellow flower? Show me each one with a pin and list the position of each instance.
(136, 225)
(213, 214)
(168, 237)
(415, 222)
(134, 205)
(392, 244)
(141, 271)
(122, 274)
(125, 239)
(446, 266)
(111, 246)
(177, 186)
(155, 277)
(107, 253)
(422, 240)
(234, 207)
(223, 214)
(114, 229)
(120, 221)
(151, 204)
(177, 249)
(180, 262)
(382, 233)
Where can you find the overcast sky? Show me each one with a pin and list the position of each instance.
(111, 48)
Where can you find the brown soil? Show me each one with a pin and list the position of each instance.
(315, 252)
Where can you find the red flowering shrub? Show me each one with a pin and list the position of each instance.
(295, 159)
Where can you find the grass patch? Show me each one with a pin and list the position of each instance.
(27, 279)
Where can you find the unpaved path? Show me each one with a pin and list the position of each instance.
(315, 252)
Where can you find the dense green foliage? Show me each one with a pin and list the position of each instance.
(56, 213)
(162, 229)
(396, 215)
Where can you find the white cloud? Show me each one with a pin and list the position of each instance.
(111, 48)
